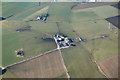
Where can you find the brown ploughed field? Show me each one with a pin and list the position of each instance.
(49, 65)
(110, 66)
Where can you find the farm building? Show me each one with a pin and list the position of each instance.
(42, 17)
(63, 41)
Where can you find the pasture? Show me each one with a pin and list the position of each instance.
(20, 9)
(87, 23)
(30, 41)
(92, 24)
(79, 63)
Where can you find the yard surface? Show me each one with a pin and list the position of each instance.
(88, 23)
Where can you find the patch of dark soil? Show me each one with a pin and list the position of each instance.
(114, 20)
(47, 39)
(23, 30)
(9, 16)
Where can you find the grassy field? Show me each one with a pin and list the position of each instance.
(94, 26)
(86, 23)
(102, 11)
(20, 9)
(31, 42)
(26, 40)
(79, 64)
(8, 7)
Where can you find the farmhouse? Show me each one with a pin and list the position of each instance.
(63, 41)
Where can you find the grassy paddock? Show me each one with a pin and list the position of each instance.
(87, 23)
(30, 41)
(11, 8)
(79, 64)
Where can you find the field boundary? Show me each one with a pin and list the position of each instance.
(48, 52)
(100, 69)
(68, 76)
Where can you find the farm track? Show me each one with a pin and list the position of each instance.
(95, 62)
(68, 76)
(91, 55)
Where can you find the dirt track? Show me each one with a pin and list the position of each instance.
(46, 66)
(110, 66)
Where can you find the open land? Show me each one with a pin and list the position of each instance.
(47, 66)
(108, 68)
(82, 64)
(87, 23)
(89, 5)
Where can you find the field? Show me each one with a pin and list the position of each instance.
(87, 23)
(79, 63)
(47, 66)
(109, 69)
(90, 5)
(93, 25)
(30, 41)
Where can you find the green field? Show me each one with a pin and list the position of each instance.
(86, 23)
(79, 63)
(93, 25)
